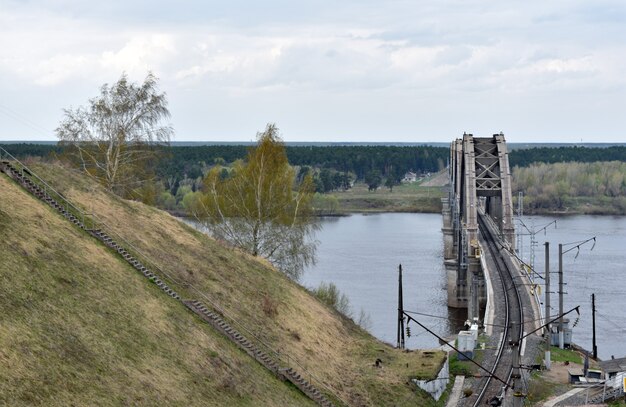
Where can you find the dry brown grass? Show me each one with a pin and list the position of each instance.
(80, 327)
(330, 346)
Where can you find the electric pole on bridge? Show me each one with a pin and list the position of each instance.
(400, 343)
(561, 292)
(594, 348)
(575, 245)
(547, 304)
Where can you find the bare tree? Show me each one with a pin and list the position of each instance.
(116, 135)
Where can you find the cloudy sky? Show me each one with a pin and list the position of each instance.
(408, 71)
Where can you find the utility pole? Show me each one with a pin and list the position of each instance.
(520, 214)
(547, 304)
(400, 344)
(561, 339)
(575, 245)
(594, 348)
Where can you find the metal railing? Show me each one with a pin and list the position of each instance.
(285, 360)
(96, 223)
(19, 166)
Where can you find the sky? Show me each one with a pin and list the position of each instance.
(326, 71)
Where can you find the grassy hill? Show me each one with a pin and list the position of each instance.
(82, 327)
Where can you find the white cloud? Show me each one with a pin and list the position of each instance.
(140, 54)
(359, 57)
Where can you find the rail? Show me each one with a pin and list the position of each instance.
(512, 329)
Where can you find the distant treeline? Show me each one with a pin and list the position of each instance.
(23, 150)
(191, 161)
(598, 187)
(389, 160)
(550, 155)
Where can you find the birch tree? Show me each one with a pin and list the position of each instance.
(260, 209)
(116, 135)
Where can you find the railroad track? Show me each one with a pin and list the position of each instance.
(506, 364)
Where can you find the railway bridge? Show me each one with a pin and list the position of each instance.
(479, 235)
(479, 177)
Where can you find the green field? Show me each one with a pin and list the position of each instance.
(404, 198)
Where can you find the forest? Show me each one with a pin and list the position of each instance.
(574, 187)
(566, 178)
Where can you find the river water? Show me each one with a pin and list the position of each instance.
(599, 269)
(360, 254)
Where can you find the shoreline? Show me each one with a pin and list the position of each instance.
(341, 213)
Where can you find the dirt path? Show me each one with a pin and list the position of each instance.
(438, 180)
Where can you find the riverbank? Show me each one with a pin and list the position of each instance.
(421, 199)
(579, 205)
(413, 198)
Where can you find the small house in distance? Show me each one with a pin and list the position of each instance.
(409, 177)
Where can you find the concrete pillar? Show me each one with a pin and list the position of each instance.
(446, 212)
(474, 275)
(456, 288)
(448, 230)
(448, 244)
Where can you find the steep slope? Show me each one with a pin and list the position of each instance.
(328, 348)
(81, 327)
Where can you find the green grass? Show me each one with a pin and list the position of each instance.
(461, 367)
(403, 198)
(565, 355)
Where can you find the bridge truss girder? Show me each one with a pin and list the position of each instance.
(479, 175)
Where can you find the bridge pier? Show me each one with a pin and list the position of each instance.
(448, 230)
(457, 289)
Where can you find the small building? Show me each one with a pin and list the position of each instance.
(575, 375)
(567, 333)
(466, 344)
(409, 177)
(613, 367)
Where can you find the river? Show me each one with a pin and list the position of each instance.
(360, 255)
(599, 269)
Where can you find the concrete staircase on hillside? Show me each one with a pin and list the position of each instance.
(23, 178)
(263, 358)
(40, 193)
